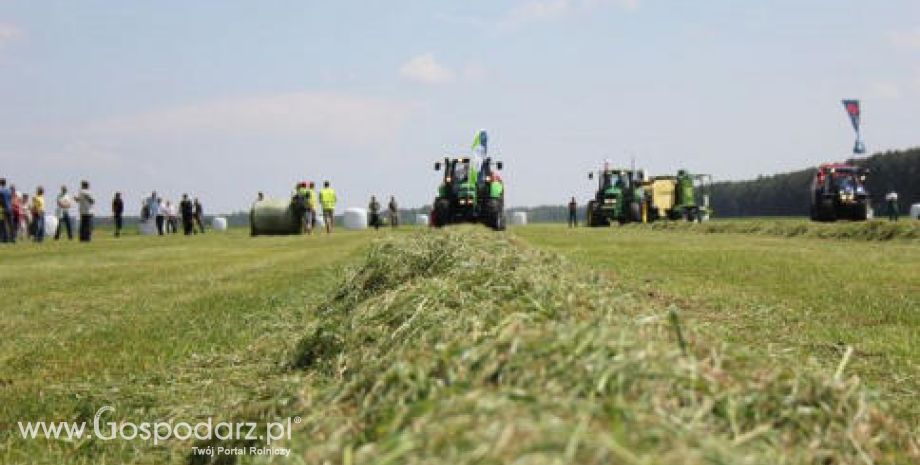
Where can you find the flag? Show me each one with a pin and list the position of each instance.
(852, 108)
(481, 140)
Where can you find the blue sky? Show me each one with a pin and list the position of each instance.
(225, 98)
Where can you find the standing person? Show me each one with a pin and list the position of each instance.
(199, 215)
(7, 224)
(302, 207)
(25, 215)
(38, 214)
(160, 212)
(187, 210)
(173, 217)
(151, 206)
(20, 214)
(86, 202)
(260, 196)
(892, 200)
(394, 212)
(64, 202)
(374, 208)
(118, 211)
(573, 213)
(312, 205)
(327, 199)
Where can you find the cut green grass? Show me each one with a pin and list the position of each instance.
(161, 328)
(875, 230)
(465, 346)
(809, 297)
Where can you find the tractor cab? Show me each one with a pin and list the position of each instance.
(460, 180)
(611, 183)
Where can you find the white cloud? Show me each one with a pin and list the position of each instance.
(335, 117)
(425, 69)
(906, 39)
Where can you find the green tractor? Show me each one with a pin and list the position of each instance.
(619, 197)
(470, 192)
(685, 196)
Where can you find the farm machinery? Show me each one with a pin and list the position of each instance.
(471, 191)
(619, 197)
(838, 191)
(682, 197)
(626, 195)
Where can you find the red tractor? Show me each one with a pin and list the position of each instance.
(838, 191)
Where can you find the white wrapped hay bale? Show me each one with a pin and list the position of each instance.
(915, 211)
(519, 219)
(421, 220)
(51, 224)
(355, 218)
(320, 222)
(147, 227)
(219, 223)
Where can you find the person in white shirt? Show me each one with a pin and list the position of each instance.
(86, 202)
(64, 202)
(892, 200)
(172, 218)
(160, 215)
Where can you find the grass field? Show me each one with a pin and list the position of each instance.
(810, 296)
(160, 328)
(187, 328)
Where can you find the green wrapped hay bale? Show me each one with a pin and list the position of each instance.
(273, 217)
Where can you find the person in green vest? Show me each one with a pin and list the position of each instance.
(327, 199)
(304, 194)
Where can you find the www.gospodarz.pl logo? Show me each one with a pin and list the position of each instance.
(161, 431)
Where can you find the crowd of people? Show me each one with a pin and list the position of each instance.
(307, 202)
(166, 215)
(23, 216)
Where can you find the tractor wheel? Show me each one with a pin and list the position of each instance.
(590, 214)
(827, 211)
(635, 212)
(862, 212)
(494, 215)
(440, 213)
